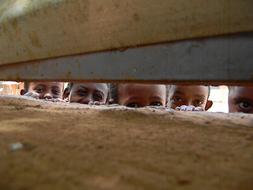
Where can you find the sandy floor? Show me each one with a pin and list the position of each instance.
(75, 147)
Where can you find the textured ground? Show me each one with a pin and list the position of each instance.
(76, 147)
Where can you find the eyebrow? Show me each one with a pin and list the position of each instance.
(83, 87)
(40, 85)
(179, 92)
(56, 88)
(100, 92)
(243, 98)
(200, 96)
(156, 97)
(133, 98)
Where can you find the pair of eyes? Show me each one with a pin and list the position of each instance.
(137, 105)
(196, 102)
(41, 89)
(97, 95)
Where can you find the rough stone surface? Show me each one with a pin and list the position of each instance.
(80, 147)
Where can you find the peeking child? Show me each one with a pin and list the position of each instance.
(240, 99)
(138, 95)
(87, 93)
(189, 98)
(43, 90)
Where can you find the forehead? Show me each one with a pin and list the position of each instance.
(193, 90)
(47, 84)
(246, 92)
(92, 86)
(140, 89)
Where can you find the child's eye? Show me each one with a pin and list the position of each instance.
(97, 97)
(133, 105)
(197, 103)
(82, 92)
(156, 104)
(177, 99)
(39, 90)
(56, 92)
(246, 106)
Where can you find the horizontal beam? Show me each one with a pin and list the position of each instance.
(222, 60)
(34, 30)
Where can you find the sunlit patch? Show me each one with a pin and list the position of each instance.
(15, 8)
(17, 125)
(12, 128)
(19, 6)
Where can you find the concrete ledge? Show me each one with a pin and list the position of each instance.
(34, 30)
(59, 147)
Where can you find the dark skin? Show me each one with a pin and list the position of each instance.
(89, 93)
(194, 96)
(44, 90)
(141, 95)
(240, 99)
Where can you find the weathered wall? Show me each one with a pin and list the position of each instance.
(76, 147)
(31, 30)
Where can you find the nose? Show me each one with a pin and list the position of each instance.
(188, 103)
(47, 96)
(86, 100)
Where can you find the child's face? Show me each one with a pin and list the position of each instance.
(140, 95)
(240, 99)
(46, 90)
(88, 93)
(190, 96)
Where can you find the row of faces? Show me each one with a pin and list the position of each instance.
(139, 95)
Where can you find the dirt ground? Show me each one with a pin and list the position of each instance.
(79, 147)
